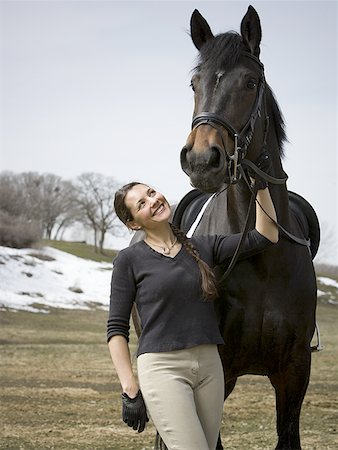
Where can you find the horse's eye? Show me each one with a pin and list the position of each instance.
(194, 82)
(251, 84)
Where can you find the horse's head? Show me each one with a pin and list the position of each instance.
(229, 115)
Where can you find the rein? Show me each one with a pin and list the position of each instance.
(237, 160)
(270, 179)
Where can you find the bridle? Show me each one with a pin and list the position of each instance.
(242, 138)
(236, 161)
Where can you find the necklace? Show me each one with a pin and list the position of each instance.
(165, 250)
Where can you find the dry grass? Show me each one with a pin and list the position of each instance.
(59, 390)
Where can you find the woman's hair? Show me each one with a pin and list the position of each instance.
(122, 211)
(209, 282)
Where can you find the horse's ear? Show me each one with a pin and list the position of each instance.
(251, 31)
(199, 29)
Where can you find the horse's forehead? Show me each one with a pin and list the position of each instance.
(223, 50)
(224, 65)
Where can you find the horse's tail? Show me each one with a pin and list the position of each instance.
(301, 207)
(159, 444)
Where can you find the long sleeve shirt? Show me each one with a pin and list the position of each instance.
(168, 293)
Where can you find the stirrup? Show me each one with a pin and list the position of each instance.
(318, 347)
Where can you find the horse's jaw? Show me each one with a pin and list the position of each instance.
(205, 184)
(206, 179)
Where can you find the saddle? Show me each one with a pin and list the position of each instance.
(189, 207)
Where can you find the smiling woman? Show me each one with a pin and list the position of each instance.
(170, 278)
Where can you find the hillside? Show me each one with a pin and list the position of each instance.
(34, 280)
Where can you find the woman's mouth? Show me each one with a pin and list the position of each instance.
(159, 209)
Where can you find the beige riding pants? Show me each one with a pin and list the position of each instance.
(184, 391)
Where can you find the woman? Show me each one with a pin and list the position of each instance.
(170, 279)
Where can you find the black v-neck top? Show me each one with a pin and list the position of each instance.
(168, 293)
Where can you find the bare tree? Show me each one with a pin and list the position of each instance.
(45, 199)
(11, 198)
(95, 196)
(58, 204)
(19, 226)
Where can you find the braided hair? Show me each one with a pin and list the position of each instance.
(209, 282)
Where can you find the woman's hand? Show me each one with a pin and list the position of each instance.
(263, 162)
(120, 355)
(265, 210)
(134, 412)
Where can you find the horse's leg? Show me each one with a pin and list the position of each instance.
(219, 445)
(229, 387)
(159, 444)
(290, 387)
(227, 391)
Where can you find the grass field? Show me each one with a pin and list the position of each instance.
(59, 389)
(80, 249)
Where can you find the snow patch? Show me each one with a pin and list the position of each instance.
(328, 281)
(52, 278)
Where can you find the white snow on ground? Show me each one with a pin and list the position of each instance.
(64, 282)
(330, 295)
(328, 281)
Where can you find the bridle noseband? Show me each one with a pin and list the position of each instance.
(242, 138)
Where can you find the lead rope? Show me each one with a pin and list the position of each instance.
(251, 203)
(244, 234)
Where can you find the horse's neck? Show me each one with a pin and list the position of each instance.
(226, 213)
(279, 192)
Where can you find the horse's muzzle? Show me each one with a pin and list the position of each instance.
(206, 169)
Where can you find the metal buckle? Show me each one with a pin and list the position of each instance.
(234, 159)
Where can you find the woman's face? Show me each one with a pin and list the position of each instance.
(147, 207)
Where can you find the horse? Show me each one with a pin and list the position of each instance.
(267, 302)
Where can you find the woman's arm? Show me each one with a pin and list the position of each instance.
(120, 354)
(264, 225)
(123, 292)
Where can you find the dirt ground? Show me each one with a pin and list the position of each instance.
(59, 390)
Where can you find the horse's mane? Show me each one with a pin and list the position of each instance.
(223, 53)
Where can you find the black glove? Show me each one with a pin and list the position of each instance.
(134, 412)
(263, 162)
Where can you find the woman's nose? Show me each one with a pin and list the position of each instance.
(153, 201)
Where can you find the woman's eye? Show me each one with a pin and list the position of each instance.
(251, 84)
(152, 193)
(192, 86)
(140, 205)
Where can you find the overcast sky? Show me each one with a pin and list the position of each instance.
(103, 86)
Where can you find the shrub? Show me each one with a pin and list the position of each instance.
(17, 232)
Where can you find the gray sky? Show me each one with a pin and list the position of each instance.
(103, 86)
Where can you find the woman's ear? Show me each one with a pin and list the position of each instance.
(133, 225)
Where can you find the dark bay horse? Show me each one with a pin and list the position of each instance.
(268, 302)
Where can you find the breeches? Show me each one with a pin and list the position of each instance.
(184, 393)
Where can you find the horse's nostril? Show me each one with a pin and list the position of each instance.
(183, 157)
(215, 158)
